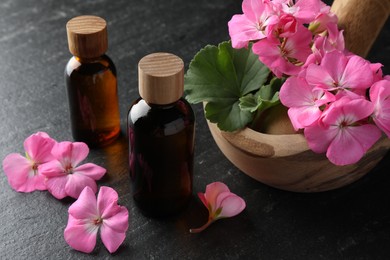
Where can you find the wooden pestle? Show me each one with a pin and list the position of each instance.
(362, 20)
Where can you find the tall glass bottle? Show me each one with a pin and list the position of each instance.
(161, 137)
(91, 83)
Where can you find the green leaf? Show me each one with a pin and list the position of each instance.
(227, 116)
(249, 103)
(266, 97)
(221, 76)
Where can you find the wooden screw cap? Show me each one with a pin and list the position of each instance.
(161, 78)
(87, 36)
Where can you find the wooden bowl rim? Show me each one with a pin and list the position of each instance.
(264, 145)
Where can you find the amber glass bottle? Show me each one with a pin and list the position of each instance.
(161, 137)
(91, 83)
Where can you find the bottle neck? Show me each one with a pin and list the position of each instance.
(89, 60)
(162, 106)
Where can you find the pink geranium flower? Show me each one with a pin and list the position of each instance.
(286, 57)
(24, 173)
(304, 10)
(250, 25)
(341, 132)
(285, 27)
(220, 202)
(340, 72)
(303, 101)
(380, 96)
(64, 176)
(88, 214)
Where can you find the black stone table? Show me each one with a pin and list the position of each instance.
(349, 223)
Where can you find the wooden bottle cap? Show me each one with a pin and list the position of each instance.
(87, 36)
(161, 78)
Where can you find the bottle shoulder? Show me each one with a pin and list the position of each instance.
(157, 118)
(91, 66)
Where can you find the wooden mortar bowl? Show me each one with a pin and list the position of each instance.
(286, 162)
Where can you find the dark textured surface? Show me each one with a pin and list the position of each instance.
(349, 223)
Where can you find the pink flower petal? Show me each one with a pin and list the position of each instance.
(85, 206)
(118, 221)
(357, 73)
(107, 202)
(81, 237)
(295, 92)
(212, 191)
(231, 204)
(56, 186)
(69, 153)
(20, 174)
(52, 169)
(334, 63)
(350, 145)
(79, 152)
(348, 110)
(319, 137)
(91, 170)
(317, 76)
(77, 182)
(203, 199)
(111, 238)
(62, 152)
(302, 117)
(38, 147)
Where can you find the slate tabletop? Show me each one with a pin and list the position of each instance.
(349, 223)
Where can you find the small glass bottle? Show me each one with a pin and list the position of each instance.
(161, 137)
(91, 83)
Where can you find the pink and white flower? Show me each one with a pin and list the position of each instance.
(24, 173)
(220, 202)
(87, 215)
(65, 177)
(286, 57)
(340, 72)
(342, 131)
(304, 10)
(250, 25)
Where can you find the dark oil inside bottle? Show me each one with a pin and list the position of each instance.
(93, 100)
(161, 143)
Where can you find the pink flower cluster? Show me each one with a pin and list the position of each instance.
(283, 32)
(340, 99)
(53, 166)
